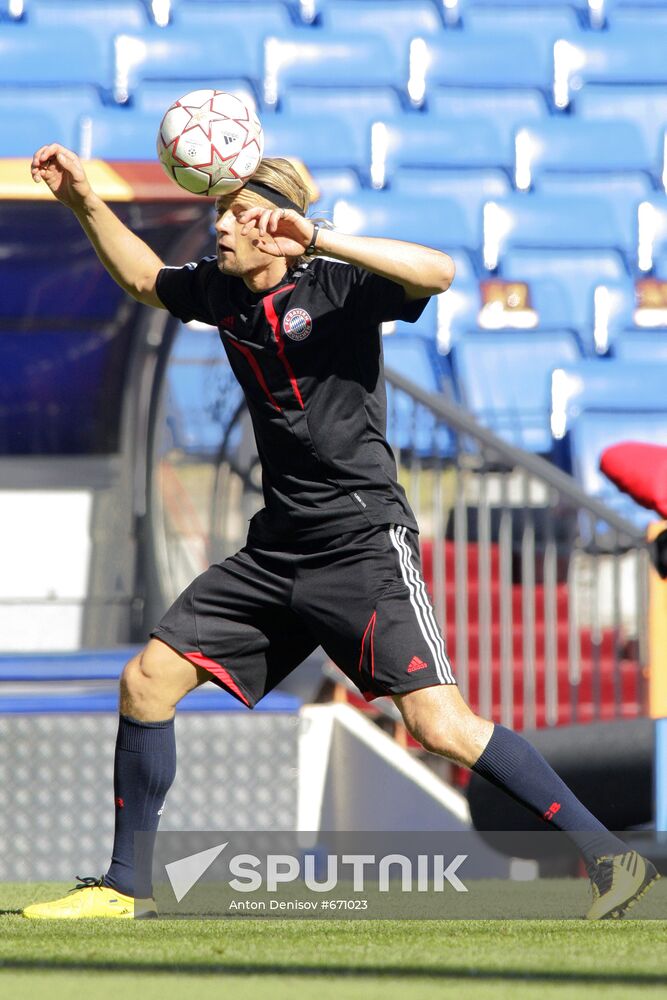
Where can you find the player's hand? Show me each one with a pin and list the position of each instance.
(279, 232)
(62, 171)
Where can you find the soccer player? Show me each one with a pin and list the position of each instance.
(333, 557)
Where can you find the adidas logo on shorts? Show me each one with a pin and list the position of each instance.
(416, 664)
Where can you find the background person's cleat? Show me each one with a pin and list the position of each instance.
(90, 898)
(617, 882)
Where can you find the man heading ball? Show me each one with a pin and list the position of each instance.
(333, 557)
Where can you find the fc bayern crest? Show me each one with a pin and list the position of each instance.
(297, 324)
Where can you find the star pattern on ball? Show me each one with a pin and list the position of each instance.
(202, 117)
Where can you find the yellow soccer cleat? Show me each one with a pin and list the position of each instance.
(90, 898)
(617, 882)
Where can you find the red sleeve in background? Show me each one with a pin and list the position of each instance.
(640, 470)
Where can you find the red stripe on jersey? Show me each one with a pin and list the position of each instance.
(252, 361)
(274, 323)
(215, 668)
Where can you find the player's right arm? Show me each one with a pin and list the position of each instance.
(129, 261)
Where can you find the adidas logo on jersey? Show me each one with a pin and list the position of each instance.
(416, 664)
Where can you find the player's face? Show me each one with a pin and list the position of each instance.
(237, 254)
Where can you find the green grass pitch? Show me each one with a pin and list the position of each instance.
(325, 959)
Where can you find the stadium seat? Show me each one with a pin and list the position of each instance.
(635, 16)
(412, 428)
(469, 59)
(320, 60)
(428, 141)
(626, 193)
(542, 21)
(567, 148)
(118, 133)
(439, 223)
(628, 56)
(649, 346)
(333, 185)
(470, 189)
(26, 129)
(593, 431)
(103, 20)
(156, 97)
(256, 19)
(447, 316)
(579, 272)
(645, 106)
(508, 109)
(63, 105)
(397, 21)
(652, 234)
(534, 222)
(321, 143)
(164, 55)
(38, 57)
(605, 385)
(504, 380)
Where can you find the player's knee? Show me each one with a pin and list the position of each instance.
(459, 739)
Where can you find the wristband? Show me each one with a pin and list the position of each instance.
(311, 248)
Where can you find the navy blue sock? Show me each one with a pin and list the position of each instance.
(144, 769)
(511, 763)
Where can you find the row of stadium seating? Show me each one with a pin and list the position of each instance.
(399, 17)
(535, 391)
(117, 63)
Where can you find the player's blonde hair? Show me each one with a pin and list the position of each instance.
(279, 174)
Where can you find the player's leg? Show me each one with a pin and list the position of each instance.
(151, 685)
(442, 722)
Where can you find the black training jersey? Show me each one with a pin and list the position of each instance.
(308, 355)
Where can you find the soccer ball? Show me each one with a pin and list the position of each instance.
(210, 142)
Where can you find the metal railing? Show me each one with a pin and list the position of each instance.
(540, 590)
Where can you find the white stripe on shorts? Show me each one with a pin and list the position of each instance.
(421, 604)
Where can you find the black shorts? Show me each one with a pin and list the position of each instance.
(253, 618)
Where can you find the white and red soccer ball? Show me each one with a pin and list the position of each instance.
(210, 142)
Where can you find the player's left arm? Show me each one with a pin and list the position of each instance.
(421, 270)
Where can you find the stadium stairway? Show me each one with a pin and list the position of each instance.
(600, 660)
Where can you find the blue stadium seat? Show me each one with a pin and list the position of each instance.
(595, 430)
(426, 140)
(333, 185)
(468, 59)
(645, 106)
(637, 17)
(26, 129)
(411, 428)
(458, 12)
(470, 189)
(570, 148)
(397, 21)
(39, 57)
(508, 109)
(532, 222)
(321, 143)
(439, 223)
(605, 385)
(649, 346)
(165, 55)
(103, 20)
(579, 272)
(319, 60)
(652, 235)
(625, 192)
(628, 56)
(255, 19)
(447, 316)
(543, 21)
(118, 133)
(157, 96)
(504, 380)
